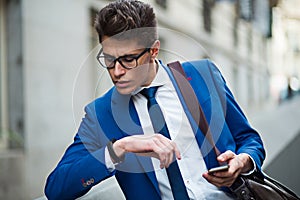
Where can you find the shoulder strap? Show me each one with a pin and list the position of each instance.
(190, 98)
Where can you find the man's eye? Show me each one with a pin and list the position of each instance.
(109, 59)
(127, 59)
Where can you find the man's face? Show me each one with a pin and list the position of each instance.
(128, 80)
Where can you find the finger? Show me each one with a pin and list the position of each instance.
(174, 148)
(230, 173)
(226, 156)
(219, 181)
(148, 154)
(165, 152)
(225, 178)
(160, 155)
(170, 150)
(149, 146)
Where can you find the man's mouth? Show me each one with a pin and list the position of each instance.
(121, 84)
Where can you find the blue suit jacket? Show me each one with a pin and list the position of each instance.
(114, 116)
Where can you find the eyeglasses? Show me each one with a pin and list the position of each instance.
(127, 61)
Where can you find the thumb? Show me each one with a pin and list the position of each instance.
(225, 156)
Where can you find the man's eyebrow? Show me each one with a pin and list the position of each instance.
(125, 55)
(105, 54)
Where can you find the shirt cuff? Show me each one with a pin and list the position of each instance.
(251, 171)
(108, 162)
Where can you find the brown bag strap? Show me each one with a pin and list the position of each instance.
(192, 102)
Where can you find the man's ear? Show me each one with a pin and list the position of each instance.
(155, 49)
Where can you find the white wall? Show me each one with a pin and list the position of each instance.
(56, 44)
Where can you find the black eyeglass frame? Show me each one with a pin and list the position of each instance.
(135, 57)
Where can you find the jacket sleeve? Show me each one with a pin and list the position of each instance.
(83, 164)
(246, 138)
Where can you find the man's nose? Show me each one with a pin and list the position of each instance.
(119, 70)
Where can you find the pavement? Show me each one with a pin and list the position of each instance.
(278, 126)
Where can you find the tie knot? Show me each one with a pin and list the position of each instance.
(149, 92)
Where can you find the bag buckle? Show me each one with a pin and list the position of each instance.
(240, 189)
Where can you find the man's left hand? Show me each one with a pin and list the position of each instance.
(240, 163)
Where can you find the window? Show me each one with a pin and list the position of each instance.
(207, 12)
(11, 72)
(3, 124)
(236, 26)
(93, 34)
(246, 9)
(162, 3)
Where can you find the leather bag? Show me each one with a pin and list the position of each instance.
(261, 187)
(257, 186)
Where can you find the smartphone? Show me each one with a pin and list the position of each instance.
(218, 169)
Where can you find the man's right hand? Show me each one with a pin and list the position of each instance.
(156, 145)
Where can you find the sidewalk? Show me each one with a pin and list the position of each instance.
(278, 126)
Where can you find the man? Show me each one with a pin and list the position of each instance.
(121, 136)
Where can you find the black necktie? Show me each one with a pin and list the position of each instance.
(159, 125)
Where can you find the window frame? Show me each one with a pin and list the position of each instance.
(3, 79)
(12, 77)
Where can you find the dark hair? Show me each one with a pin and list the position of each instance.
(127, 19)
